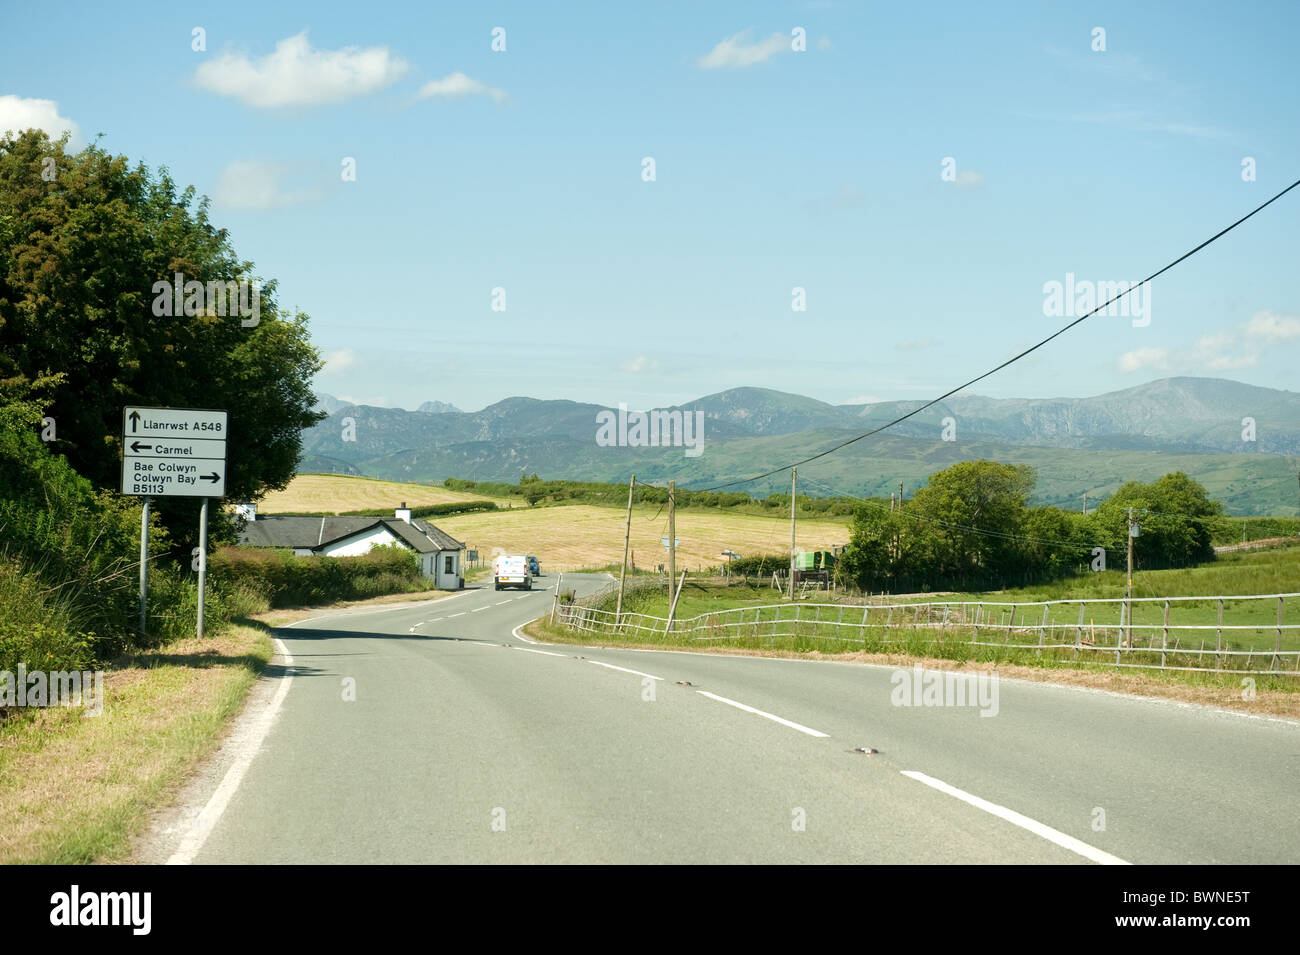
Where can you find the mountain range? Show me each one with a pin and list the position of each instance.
(1240, 440)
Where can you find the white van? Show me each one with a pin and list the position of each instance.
(511, 571)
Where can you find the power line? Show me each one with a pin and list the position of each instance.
(1060, 331)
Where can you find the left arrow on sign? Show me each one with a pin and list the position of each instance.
(136, 446)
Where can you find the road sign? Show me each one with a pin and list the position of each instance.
(174, 452)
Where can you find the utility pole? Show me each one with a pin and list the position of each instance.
(1128, 589)
(627, 541)
(672, 533)
(793, 475)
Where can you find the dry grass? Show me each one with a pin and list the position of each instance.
(583, 535)
(334, 493)
(73, 790)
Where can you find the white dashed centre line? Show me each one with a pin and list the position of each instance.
(1016, 819)
(776, 719)
(547, 652)
(625, 670)
(461, 614)
(480, 609)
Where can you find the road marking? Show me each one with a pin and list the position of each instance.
(247, 743)
(461, 614)
(365, 611)
(480, 609)
(1016, 819)
(522, 636)
(624, 669)
(770, 716)
(547, 652)
(500, 602)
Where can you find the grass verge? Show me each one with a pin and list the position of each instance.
(74, 789)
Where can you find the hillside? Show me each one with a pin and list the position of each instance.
(1079, 445)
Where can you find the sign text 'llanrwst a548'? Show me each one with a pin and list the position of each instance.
(174, 452)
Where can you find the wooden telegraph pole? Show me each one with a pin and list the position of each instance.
(1128, 589)
(672, 533)
(627, 540)
(793, 475)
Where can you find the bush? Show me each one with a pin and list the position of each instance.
(36, 626)
(283, 580)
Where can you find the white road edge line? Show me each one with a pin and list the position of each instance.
(611, 666)
(770, 716)
(1016, 819)
(248, 744)
(523, 636)
(531, 650)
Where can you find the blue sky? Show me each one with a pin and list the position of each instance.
(774, 169)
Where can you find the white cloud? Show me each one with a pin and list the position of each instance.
(1143, 358)
(1272, 328)
(1211, 351)
(254, 184)
(339, 361)
(458, 84)
(380, 402)
(297, 75)
(735, 53)
(969, 179)
(18, 113)
(639, 364)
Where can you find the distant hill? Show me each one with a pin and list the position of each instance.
(1079, 445)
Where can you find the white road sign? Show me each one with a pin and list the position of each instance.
(174, 452)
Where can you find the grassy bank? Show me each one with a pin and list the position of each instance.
(75, 789)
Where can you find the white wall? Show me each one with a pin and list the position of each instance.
(359, 543)
(443, 579)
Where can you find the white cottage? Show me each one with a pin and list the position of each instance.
(439, 552)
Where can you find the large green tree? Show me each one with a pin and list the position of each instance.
(84, 237)
(1175, 515)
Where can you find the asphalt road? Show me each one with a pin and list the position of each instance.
(465, 743)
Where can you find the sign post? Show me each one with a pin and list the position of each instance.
(174, 452)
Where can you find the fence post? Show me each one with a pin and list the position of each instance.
(1011, 624)
(1119, 641)
(1218, 638)
(1041, 627)
(1164, 637)
(1078, 630)
(1277, 643)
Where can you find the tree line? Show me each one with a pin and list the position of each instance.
(971, 527)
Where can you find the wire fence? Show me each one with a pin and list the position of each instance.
(1255, 633)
